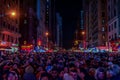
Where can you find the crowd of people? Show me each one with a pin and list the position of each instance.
(60, 66)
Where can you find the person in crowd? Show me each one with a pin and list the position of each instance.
(12, 75)
(29, 73)
(60, 66)
(100, 74)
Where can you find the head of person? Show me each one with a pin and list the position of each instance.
(109, 74)
(73, 73)
(91, 71)
(45, 76)
(100, 74)
(29, 69)
(54, 73)
(12, 76)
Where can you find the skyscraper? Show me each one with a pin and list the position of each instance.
(59, 30)
(51, 21)
(113, 10)
(41, 28)
(96, 22)
(28, 21)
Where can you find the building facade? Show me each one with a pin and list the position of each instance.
(96, 22)
(28, 22)
(9, 25)
(41, 29)
(113, 10)
(59, 30)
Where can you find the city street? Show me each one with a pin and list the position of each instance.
(59, 40)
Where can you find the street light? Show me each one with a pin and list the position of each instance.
(46, 33)
(12, 13)
(47, 38)
(83, 34)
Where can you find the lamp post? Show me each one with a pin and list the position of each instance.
(47, 39)
(83, 34)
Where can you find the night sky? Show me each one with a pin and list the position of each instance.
(70, 11)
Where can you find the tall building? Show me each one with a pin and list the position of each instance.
(28, 22)
(96, 22)
(41, 29)
(9, 25)
(59, 30)
(113, 10)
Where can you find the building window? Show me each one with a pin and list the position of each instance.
(112, 37)
(112, 26)
(8, 5)
(25, 21)
(115, 24)
(103, 29)
(103, 21)
(114, 12)
(47, 12)
(109, 37)
(115, 36)
(103, 36)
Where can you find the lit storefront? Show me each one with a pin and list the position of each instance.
(27, 48)
(115, 45)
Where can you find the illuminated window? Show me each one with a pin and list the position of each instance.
(25, 21)
(103, 36)
(103, 21)
(8, 5)
(103, 29)
(47, 6)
